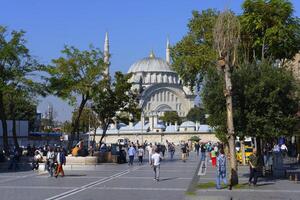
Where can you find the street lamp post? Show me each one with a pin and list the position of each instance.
(142, 121)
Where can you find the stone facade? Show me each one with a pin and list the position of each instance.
(158, 137)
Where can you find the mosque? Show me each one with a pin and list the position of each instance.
(161, 90)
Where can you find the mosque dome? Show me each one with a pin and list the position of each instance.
(150, 64)
(187, 124)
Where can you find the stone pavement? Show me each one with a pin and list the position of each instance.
(107, 182)
(267, 188)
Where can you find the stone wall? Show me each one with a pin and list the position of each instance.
(158, 137)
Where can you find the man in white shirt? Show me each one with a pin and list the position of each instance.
(131, 153)
(149, 150)
(155, 158)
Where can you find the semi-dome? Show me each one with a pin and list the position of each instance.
(187, 124)
(150, 64)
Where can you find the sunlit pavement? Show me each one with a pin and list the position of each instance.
(267, 188)
(104, 182)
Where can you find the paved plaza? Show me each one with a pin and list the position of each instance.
(267, 188)
(120, 181)
(107, 181)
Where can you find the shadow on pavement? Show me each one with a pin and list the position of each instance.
(167, 179)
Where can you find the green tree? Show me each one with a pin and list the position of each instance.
(226, 38)
(269, 29)
(264, 101)
(17, 68)
(194, 53)
(72, 77)
(196, 114)
(20, 106)
(171, 116)
(113, 96)
(84, 121)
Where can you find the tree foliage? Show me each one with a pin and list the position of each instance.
(264, 101)
(196, 114)
(193, 54)
(171, 117)
(269, 29)
(111, 97)
(74, 75)
(17, 68)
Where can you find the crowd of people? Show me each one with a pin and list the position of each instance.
(54, 157)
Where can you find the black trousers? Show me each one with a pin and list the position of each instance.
(254, 175)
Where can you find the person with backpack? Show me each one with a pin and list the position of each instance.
(183, 152)
(221, 169)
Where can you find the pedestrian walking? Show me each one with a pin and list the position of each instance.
(14, 157)
(253, 164)
(50, 161)
(149, 150)
(183, 152)
(163, 150)
(213, 155)
(131, 153)
(155, 163)
(171, 149)
(197, 147)
(203, 151)
(140, 154)
(221, 169)
(61, 160)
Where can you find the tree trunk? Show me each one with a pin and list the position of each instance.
(4, 124)
(75, 124)
(104, 128)
(13, 115)
(243, 152)
(233, 177)
(14, 131)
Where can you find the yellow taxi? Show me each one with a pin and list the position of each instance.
(248, 152)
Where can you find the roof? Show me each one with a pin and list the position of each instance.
(188, 124)
(150, 64)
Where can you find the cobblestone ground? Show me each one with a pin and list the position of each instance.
(107, 182)
(267, 188)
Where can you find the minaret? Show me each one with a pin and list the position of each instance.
(106, 54)
(168, 52)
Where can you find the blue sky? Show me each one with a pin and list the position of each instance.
(135, 27)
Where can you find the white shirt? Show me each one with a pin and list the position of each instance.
(156, 159)
(140, 152)
(283, 147)
(149, 149)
